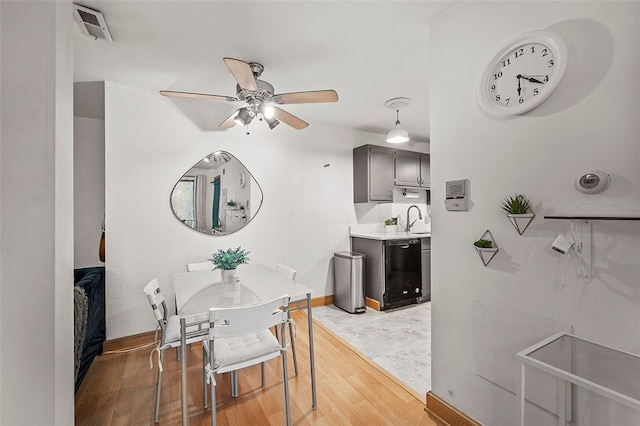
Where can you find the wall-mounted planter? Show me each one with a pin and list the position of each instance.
(519, 211)
(487, 253)
(521, 221)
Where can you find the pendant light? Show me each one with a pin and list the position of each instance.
(398, 134)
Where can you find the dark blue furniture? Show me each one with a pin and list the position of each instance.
(91, 280)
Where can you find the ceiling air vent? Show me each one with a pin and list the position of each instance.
(91, 22)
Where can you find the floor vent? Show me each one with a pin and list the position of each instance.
(91, 22)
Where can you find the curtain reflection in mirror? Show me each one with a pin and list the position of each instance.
(216, 204)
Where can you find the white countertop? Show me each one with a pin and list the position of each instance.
(384, 236)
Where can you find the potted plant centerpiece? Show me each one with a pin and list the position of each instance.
(228, 260)
(519, 211)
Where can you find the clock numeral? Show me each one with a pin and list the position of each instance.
(550, 63)
(498, 75)
(544, 52)
(520, 52)
(506, 62)
(521, 100)
(535, 92)
(533, 49)
(493, 87)
(497, 97)
(506, 101)
(546, 78)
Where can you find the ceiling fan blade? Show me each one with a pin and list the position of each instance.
(313, 96)
(229, 121)
(242, 73)
(173, 94)
(289, 118)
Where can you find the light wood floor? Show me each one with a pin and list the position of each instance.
(119, 389)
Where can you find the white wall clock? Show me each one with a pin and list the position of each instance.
(523, 74)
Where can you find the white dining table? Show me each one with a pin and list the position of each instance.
(197, 291)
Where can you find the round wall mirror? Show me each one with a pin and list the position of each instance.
(217, 196)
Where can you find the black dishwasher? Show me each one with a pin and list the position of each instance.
(403, 272)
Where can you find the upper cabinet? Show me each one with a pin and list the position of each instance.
(377, 169)
(411, 169)
(372, 174)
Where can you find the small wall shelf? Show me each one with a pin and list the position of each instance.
(486, 254)
(571, 217)
(588, 236)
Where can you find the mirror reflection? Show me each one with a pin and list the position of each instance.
(217, 196)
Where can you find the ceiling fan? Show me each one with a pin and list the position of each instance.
(259, 96)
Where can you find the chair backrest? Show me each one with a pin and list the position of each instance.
(229, 322)
(156, 299)
(200, 266)
(286, 272)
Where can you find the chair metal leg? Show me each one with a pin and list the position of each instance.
(233, 378)
(183, 374)
(293, 345)
(262, 372)
(156, 413)
(213, 391)
(285, 378)
(205, 396)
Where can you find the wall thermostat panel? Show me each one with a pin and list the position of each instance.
(592, 182)
(457, 195)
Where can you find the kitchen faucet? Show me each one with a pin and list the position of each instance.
(409, 225)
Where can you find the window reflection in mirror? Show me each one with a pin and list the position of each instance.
(217, 196)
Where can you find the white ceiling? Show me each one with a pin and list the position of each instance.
(367, 51)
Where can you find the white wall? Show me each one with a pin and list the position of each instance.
(88, 176)
(306, 177)
(591, 122)
(88, 188)
(36, 224)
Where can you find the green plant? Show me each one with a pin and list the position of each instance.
(483, 243)
(231, 203)
(388, 222)
(518, 204)
(230, 258)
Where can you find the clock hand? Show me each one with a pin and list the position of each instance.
(531, 79)
(519, 88)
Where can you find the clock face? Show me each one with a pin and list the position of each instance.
(522, 75)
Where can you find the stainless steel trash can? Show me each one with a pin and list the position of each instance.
(348, 268)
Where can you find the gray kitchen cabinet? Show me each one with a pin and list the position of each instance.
(372, 174)
(425, 170)
(411, 169)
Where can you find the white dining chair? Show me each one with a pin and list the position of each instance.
(290, 274)
(171, 333)
(240, 337)
(200, 266)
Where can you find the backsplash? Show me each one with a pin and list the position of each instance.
(374, 214)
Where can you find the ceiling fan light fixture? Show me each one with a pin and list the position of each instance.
(397, 135)
(243, 118)
(272, 122)
(268, 112)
